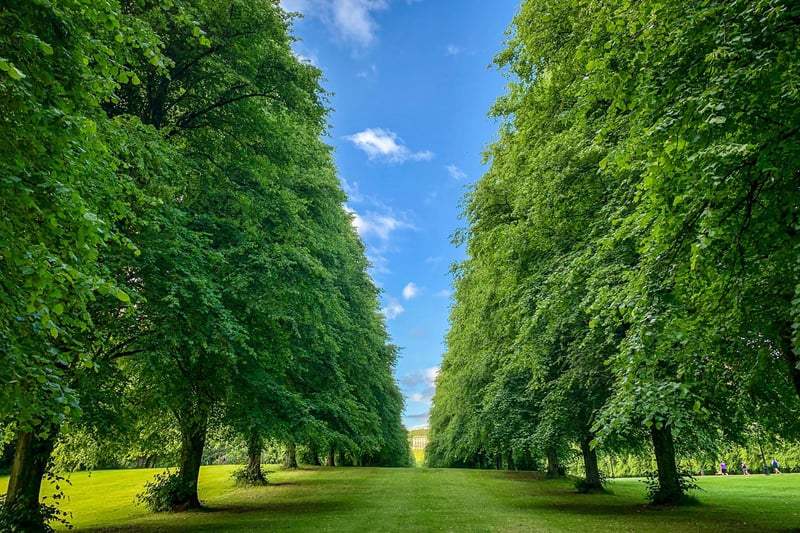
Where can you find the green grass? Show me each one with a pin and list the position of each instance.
(419, 456)
(419, 499)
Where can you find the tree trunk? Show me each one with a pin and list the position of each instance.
(315, 457)
(590, 463)
(291, 455)
(254, 446)
(510, 460)
(498, 461)
(31, 456)
(330, 461)
(552, 464)
(483, 463)
(669, 488)
(193, 440)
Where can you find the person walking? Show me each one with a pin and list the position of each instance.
(775, 466)
(723, 468)
(745, 472)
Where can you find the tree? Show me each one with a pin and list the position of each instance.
(57, 64)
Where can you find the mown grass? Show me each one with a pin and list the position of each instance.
(419, 456)
(420, 499)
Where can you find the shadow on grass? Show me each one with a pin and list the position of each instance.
(239, 517)
(639, 516)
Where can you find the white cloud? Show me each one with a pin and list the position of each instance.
(423, 385)
(431, 374)
(392, 309)
(453, 50)
(420, 397)
(455, 172)
(311, 60)
(424, 376)
(377, 225)
(352, 191)
(352, 20)
(410, 291)
(383, 144)
(376, 228)
(443, 293)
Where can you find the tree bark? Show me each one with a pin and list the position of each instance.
(31, 456)
(331, 458)
(193, 440)
(669, 488)
(498, 461)
(315, 457)
(291, 455)
(254, 446)
(552, 464)
(590, 463)
(510, 460)
(483, 462)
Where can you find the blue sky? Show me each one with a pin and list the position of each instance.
(411, 89)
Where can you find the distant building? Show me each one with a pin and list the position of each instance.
(418, 442)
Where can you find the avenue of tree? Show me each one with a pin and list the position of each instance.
(175, 257)
(632, 278)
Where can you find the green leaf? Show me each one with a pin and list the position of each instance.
(14, 72)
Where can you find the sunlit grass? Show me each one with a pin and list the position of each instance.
(419, 456)
(420, 499)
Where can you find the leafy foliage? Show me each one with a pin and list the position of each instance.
(165, 492)
(655, 493)
(173, 243)
(631, 268)
(244, 478)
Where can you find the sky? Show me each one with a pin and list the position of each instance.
(411, 88)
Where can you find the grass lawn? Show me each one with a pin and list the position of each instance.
(420, 499)
(419, 456)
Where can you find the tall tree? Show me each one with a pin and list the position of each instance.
(61, 199)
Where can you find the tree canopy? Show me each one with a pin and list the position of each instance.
(632, 249)
(174, 242)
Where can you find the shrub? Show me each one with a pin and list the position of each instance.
(583, 486)
(165, 493)
(244, 478)
(17, 519)
(686, 482)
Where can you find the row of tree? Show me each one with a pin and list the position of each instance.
(174, 251)
(632, 271)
